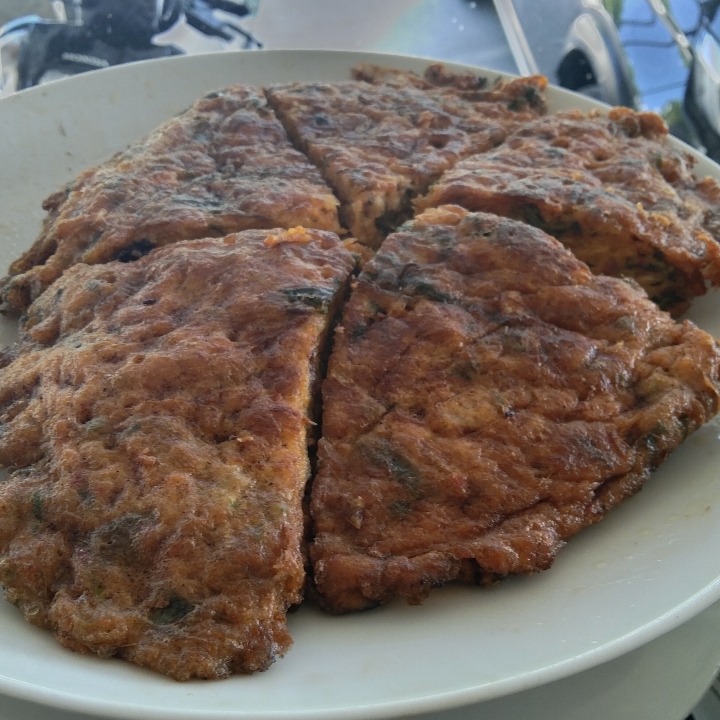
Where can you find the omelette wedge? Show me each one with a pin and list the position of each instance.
(155, 418)
(487, 398)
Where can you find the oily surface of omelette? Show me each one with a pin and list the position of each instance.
(155, 421)
(611, 189)
(223, 166)
(382, 139)
(487, 398)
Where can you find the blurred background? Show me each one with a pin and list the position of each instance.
(460, 30)
(14, 8)
(644, 53)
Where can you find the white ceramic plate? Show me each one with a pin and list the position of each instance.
(649, 566)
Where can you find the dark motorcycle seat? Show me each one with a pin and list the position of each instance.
(70, 50)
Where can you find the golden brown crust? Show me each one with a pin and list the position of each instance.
(518, 94)
(223, 166)
(382, 140)
(155, 421)
(611, 190)
(488, 397)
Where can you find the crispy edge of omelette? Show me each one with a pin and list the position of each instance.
(155, 418)
(610, 189)
(384, 138)
(224, 165)
(516, 94)
(487, 398)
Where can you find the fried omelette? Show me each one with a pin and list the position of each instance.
(611, 190)
(155, 419)
(384, 138)
(223, 166)
(488, 397)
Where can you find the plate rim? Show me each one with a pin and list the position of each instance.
(684, 611)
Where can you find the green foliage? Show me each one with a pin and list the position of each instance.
(672, 113)
(615, 8)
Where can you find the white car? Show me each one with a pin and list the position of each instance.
(574, 43)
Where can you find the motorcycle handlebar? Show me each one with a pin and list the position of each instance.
(236, 8)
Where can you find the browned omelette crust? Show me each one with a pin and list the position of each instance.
(487, 398)
(154, 420)
(223, 166)
(611, 190)
(383, 139)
